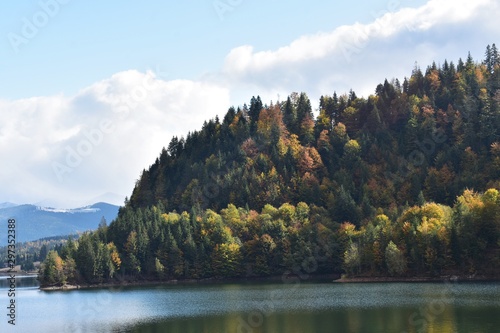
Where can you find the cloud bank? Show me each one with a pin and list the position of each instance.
(359, 56)
(69, 149)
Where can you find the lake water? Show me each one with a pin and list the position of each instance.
(244, 308)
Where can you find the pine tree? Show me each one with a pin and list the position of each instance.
(253, 113)
(495, 57)
(290, 116)
(304, 108)
(488, 59)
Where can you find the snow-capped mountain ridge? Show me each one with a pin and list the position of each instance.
(34, 222)
(87, 209)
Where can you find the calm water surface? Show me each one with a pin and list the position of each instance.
(256, 308)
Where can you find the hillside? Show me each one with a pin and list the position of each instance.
(434, 134)
(404, 182)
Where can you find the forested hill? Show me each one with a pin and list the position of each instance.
(433, 135)
(403, 182)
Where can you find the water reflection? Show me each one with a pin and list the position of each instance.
(259, 308)
(22, 281)
(357, 308)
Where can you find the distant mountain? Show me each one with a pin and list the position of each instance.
(109, 197)
(35, 222)
(7, 205)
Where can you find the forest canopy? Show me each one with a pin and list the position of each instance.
(403, 182)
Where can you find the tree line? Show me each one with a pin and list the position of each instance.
(29, 253)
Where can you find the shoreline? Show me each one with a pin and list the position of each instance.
(418, 279)
(328, 278)
(139, 283)
(19, 273)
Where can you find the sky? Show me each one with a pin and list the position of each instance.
(91, 91)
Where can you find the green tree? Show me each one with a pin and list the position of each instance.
(395, 260)
(159, 268)
(290, 116)
(131, 249)
(352, 259)
(43, 252)
(226, 260)
(52, 270)
(255, 108)
(304, 109)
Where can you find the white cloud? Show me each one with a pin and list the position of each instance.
(70, 149)
(359, 56)
(436, 12)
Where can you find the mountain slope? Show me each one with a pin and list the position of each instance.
(431, 137)
(34, 222)
(7, 205)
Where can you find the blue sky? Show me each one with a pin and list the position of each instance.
(155, 69)
(89, 41)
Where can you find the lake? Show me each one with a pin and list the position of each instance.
(255, 308)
